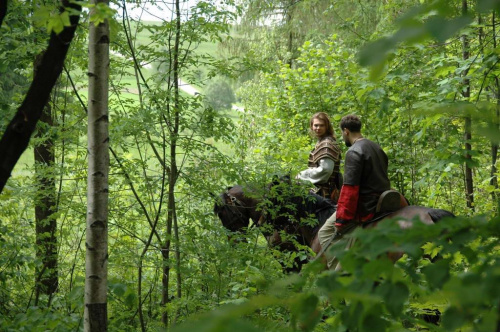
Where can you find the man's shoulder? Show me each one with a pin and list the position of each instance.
(329, 139)
(365, 147)
(365, 142)
(360, 147)
(328, 142)
(327, 147)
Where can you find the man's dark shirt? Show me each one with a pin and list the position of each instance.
(365, 178)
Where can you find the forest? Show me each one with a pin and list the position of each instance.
(122, 122)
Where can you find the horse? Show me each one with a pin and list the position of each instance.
(290, 212)
(237, 206)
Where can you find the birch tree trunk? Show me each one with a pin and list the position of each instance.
(97, 181)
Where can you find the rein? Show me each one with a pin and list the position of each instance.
(236, 203)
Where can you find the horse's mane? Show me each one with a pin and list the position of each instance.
(438, 214)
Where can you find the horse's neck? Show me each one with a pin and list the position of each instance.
(256, 217)
(254, 214)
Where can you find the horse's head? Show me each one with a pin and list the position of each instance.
(234, 209)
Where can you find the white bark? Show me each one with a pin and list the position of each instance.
(97, 181)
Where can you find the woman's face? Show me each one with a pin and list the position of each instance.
(319, 127)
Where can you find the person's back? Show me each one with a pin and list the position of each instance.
(365, 179)
(365, 175)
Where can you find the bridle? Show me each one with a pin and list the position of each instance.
(232, 205)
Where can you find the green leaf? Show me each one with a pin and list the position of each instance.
(377, 268)
(411, 33)
(305, 311)
(100, 13)
(395, 295)
(41, 16)
(491, 132)
(487, 5)
(130, 299)
(329, 283)
(374, 322)
(219, 324)
(118, 289)
(374, 53)
(453, 319)
(443, 29)
(438, 273)
(365, 316)
(57, 23)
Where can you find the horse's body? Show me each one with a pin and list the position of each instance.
(235, 209)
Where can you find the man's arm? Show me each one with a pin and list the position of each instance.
(318, 174)
(347, 207)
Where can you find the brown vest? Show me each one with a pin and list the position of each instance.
(327, 147)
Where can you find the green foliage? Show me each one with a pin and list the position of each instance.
(219, 95)
(51, 18)
(19, 45)
(373, 294)
(411, 110)
(100, 13)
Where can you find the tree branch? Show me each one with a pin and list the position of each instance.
(3, 10)
(18, 133)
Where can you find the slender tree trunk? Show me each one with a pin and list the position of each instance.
(173, 174)
(494, 146)
(469, 188)
(289, 17)
(494, 151)
(45, 204)
(97, 182)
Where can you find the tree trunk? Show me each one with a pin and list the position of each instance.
(46, 275)
(494, 146)
(494, 152)
(3, 10)
(469, 188)
(173, 174)
(97, 182)
(289, 25)
(18, 133)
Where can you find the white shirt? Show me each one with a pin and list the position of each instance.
(319, 174)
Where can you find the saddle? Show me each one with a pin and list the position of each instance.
(390, 201)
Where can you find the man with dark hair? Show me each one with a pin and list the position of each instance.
(365, 179)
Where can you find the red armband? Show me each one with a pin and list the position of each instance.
(348, 203)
